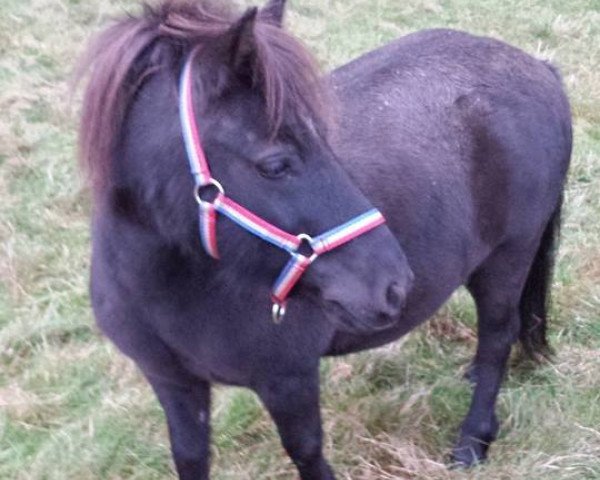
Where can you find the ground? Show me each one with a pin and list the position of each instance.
(71, 407)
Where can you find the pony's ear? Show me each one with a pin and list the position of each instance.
(273, 12)
(238, 47)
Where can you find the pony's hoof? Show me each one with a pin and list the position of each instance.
(468, 454)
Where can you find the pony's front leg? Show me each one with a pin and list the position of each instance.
(187, 409)
(293, 402)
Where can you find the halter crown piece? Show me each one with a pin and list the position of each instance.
(298, 262)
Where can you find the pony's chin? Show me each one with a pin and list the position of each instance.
(346, 321)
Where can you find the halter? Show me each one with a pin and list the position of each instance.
(254, 224)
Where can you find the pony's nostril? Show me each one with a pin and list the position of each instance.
(394, 296)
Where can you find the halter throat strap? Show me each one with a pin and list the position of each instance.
(208, 210)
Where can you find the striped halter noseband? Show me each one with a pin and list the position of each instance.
(298, 262)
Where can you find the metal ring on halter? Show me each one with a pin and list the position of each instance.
(308, 239)
(277, 312)
(211, 182)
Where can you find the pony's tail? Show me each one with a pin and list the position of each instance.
(535, 299)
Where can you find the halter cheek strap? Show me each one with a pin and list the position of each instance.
(251, 222)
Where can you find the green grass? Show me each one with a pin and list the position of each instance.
(71, 407)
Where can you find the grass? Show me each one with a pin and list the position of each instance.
(71, 407)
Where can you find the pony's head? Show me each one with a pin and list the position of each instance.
(263, 112)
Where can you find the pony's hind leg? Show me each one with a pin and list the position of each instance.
(187, 408)
(496, 288)
(293, 402)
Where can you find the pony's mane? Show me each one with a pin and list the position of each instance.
(288, 77)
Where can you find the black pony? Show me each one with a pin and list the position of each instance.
(462, 142)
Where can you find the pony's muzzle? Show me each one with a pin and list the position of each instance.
(358, 310)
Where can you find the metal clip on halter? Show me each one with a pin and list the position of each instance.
(278, 312)
(211, 183)
(304, 237)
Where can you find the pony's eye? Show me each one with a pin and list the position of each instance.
(273, 167)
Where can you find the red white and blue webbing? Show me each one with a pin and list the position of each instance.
(254, 224)
(195, 153)
(289, 276)
(337, 236)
